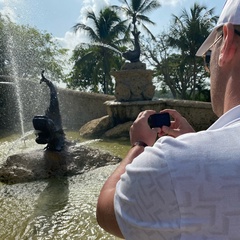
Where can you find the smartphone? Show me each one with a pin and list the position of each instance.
(158, 120)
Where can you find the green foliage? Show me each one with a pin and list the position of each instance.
(84, 75)
(26, 52)
(173, 54)
(88, 71)
(107, 27)
(189, 30)
(178, 76)
(93, 62)
(135, 11)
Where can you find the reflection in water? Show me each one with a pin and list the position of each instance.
(61, 208)
(57, 208)
(51, 203)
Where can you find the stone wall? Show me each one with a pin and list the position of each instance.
(78, 108)
(199, 114)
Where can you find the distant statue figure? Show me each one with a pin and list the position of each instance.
(133, 55)
(49, 126)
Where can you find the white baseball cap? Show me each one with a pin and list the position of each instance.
(230, 14)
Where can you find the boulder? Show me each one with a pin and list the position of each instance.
(121, 130)
(40, 164)
(96, 128)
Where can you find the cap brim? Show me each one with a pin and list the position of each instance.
(207, 44)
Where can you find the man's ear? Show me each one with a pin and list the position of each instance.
(228, 48)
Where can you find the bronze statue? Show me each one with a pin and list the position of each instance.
(49, 126)
(133, 55)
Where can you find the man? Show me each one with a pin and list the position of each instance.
(187, 185)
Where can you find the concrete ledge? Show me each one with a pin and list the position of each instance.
(199, 114)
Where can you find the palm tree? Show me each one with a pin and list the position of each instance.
(135, 11)
(105, 36)
(188, 32)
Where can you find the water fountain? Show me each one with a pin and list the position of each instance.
(55, 208)
(9, 87)
(60, 157)
(60, 207)
(133, 81)
(134, 92)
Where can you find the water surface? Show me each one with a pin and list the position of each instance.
(57, 208)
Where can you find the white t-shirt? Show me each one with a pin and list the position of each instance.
(185, 188)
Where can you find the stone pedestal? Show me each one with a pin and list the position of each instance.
(133, 83)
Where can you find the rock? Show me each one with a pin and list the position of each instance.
(96, 128)
(120, 130)
(41, 164)
(104, 128)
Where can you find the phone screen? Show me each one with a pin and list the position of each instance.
(159, 119)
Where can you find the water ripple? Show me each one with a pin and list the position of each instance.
(61, 208)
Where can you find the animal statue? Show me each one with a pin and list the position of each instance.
(48, 128)
(133, 55)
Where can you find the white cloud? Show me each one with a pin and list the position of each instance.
(9, 13)
(16, 10)
(94, 5)
(72, 39)
(171, 2)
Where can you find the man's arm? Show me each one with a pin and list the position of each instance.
(139, 131)
(105, 207)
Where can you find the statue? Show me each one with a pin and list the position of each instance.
(133, 81)
(133, 55)
(48, 127)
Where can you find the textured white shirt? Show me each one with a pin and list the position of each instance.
(185, 188)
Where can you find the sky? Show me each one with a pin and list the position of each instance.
(59, 16)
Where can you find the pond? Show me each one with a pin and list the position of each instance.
(57, 208)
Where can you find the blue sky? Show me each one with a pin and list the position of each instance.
(59, 16)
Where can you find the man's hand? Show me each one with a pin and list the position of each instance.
(178, 126)
(140, 130)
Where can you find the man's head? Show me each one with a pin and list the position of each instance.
(224, 46)
(230, 14)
